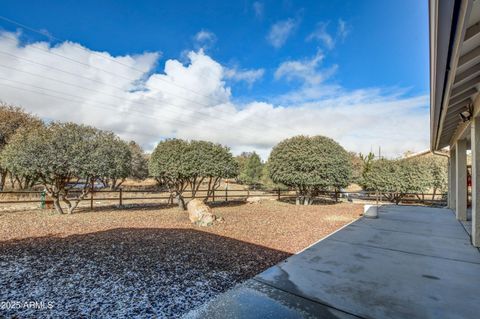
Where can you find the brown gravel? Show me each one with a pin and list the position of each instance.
(272, 224)
(150, 262)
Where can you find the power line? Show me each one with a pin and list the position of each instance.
(97, 104)
(131, 80)
(263, 123)
(148, 105)
(97, 91)
(51, 36)
(60, 70)
(108, 72)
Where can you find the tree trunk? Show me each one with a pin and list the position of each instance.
(113, 185)
(120, 184)
(3, 178)
(181, 202)
(299, 200)
(13, 181)
(56, 204)
(307, 200)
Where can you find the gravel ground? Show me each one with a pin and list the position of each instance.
(146, 262)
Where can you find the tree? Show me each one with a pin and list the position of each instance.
(310, 164)
(396, 178)
(439, 170)
(179, 164)
(13, 118)
(357, 167)
(114, 160)
(59, 155)
(210, 163)
(267, 181)
(250, 168)
(436, 169)
(139, 165)
(366, 165)
(168, 166)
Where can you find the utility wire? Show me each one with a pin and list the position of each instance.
(295, 131)
(147, 105)
(14, 39)
(97, 104)
(50, 37)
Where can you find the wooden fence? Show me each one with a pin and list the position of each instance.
(122, 196)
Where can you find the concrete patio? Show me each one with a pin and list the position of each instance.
(411, 262)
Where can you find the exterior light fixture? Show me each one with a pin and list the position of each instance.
(466, 115)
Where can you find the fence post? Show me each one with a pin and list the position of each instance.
(91, 195)
(278, 191)
(213, 195)
(43, 196)
(226, 194)
(121, 198)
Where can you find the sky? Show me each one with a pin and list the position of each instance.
(246, 74)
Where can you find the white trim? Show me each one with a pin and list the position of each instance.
(465, 9)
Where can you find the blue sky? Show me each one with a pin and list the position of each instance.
(352, 46)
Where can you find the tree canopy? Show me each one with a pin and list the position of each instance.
(178, 164)
(115, 159)
(60, 154)
(139, 165)
(13, 118)
(396, 178)
(250, 168)
(310, 164)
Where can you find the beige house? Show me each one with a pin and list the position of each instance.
(454, 99)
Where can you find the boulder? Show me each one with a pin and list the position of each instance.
(199, 213)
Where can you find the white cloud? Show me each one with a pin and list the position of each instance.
(148, 106)
(322, 35)
(205, 39)
(280, 31)
(343, 29)
(306, 70)
(258, 8)
(248, 76)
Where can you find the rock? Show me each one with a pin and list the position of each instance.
(258, 199)
(254, 200)
(199, 213)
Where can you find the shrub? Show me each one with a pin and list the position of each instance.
(396, 178)
(250, 168)
(61, 154)
(12, 119)
(310, 164)
(179, 164)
